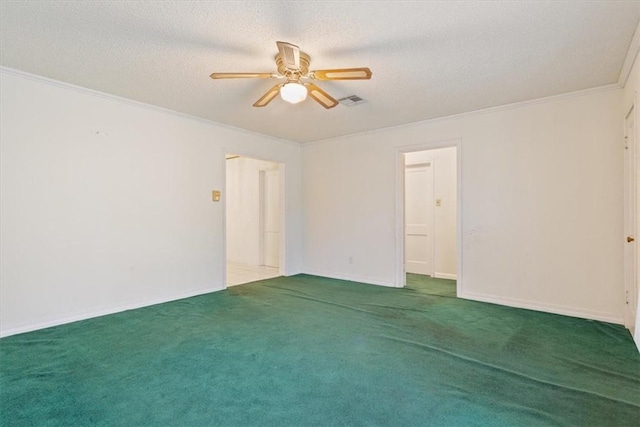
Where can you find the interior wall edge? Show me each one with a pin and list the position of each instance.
(630, 57)
(294, 272)
(99, 313)
(547, 308)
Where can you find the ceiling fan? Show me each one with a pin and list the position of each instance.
(293, 67)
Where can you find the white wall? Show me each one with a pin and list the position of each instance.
(243, 208)
(444, 163)
(95, 224)
(541, 205)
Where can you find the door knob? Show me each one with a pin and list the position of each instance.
(630, 239)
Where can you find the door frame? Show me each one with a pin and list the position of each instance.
(282, 168)
(400, 275)
(630, 227)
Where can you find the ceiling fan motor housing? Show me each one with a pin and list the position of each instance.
(302, 71)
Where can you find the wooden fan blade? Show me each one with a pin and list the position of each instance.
(342, 74)
(320, 96)
(242, 75)
(290, 54)
(268, 97)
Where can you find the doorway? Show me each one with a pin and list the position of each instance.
(428, 199)
(254, 217)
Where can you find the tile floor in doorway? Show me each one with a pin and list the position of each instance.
(238, 273)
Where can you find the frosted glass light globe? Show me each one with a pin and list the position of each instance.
(293, 92)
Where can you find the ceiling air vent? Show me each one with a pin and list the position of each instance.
(351, 100)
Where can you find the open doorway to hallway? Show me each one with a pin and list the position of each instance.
(430, 216)
(253, 219)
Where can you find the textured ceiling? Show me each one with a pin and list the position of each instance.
(429, 59)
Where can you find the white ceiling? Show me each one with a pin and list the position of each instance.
(429, 59)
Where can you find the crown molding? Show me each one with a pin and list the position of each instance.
(635, 44)
(104, 95)
(630, 59)
(515, 105)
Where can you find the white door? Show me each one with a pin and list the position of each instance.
(630, 221)
(419, 218)
(270, 217)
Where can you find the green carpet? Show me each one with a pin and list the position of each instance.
(305, 351)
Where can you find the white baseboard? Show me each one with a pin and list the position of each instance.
(547, 308)
(445, 276)
(105, 312)
(350, 278)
